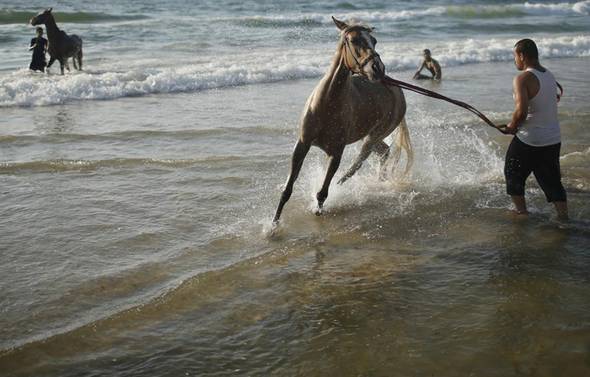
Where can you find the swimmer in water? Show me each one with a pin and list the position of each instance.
(430, 64)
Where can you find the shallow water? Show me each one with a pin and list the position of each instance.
(134, 228)
(137, 244)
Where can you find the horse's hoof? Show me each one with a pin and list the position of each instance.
(274, 229)
(318, 211)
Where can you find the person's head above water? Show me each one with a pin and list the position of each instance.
(39, 31)
(427, 55)
(525, 54)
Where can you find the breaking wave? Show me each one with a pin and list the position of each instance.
(453, 11)
(22, 17)
(23, 88)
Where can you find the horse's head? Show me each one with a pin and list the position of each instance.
(359, 50)
(42, 17)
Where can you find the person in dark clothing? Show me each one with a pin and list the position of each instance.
(39, 47)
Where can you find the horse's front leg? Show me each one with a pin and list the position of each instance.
(366, 150)
(61, 66)
(334, 163)
(299, 154)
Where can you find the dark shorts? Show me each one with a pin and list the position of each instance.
(543, 162)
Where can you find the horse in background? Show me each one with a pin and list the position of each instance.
(350, 103)
(61, 46)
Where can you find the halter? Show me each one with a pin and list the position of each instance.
(360, 64)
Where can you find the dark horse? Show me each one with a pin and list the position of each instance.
(61, 46)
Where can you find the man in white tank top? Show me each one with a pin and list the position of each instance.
(535, 148)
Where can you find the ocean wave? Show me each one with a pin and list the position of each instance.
(87, 165)
(322, 18)
(58, 166)
(516, 10)
(22, 88)
(453, 11)
(581, 7)
(473, 51)
(138, 135)
(576, 157)
(22, 17)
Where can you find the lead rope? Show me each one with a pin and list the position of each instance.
(429, 93)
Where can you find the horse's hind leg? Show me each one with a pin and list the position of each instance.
(74, 62)
(382, 149)
(299, 154)
(333, 165)
(79, 56)
(366, 150)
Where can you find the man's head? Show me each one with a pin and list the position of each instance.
(39, 31)
(525, 53)
(427, 55)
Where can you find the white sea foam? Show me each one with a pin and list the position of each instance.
(471, 51)
(463, 11)
(22, 88)
(364, 16)
(581, 7)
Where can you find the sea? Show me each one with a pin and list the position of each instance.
(136, 198)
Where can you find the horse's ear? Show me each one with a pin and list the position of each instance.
(339, 24)
(48, 10)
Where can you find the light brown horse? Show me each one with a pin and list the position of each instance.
(350, 103)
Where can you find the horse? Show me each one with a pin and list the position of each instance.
(350, 103)
(61, 46)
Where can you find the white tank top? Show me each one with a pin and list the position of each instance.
(541, 126)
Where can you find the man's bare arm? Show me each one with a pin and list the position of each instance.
(420, 69)
(521, 102)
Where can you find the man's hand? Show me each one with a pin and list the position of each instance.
(507, 130)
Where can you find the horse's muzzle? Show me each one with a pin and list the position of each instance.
(376, 70)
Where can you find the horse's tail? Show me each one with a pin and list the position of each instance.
(79, 55)
(402, 141)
